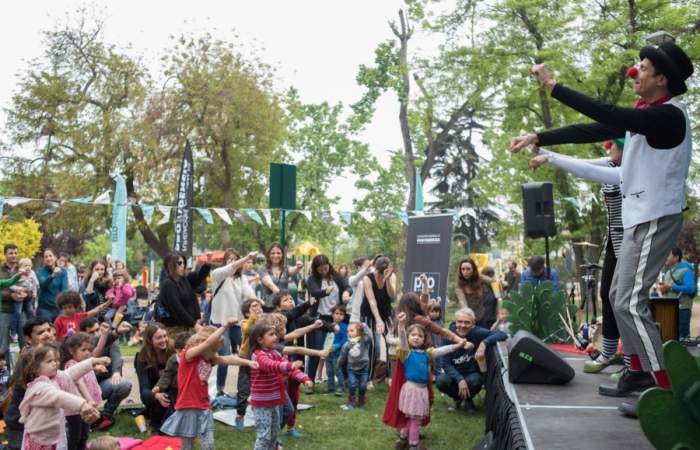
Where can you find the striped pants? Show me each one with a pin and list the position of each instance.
(642, 255)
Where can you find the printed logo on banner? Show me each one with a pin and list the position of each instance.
(428, 239)
(433, 282)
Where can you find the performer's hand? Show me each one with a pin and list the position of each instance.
(520, 142)
(541, 71)
(538, 160)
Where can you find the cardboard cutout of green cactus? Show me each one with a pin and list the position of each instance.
(671, 419)
(539, 311)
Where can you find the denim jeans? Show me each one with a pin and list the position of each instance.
(334, 370)
(287, 410)
(5, 320)
(315, 341)
(450, 387)
(21, 312)
(232, 340)
(48, 314)
(357, 381)
(114, 394)
(684, 322)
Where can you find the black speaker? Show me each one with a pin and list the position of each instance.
(538, 210)
(530, 361)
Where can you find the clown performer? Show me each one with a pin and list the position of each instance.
(652, 179)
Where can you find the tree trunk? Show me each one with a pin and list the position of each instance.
(158, 243)
(404, 96)
(226, 191)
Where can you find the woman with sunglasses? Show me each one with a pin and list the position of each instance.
(178, 308)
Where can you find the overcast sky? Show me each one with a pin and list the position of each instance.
(316, 45)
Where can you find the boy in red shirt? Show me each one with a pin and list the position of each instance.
(68, 322)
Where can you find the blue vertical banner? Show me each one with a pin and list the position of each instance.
(2, 205)
(183, 211)
(419, 191)
(119, 221)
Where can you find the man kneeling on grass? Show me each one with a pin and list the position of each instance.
(459, 374)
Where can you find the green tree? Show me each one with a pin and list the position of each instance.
(78, 105)
(227, 106)
(322, 146)
(589, 45)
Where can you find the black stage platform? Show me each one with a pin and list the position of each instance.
(572, 416)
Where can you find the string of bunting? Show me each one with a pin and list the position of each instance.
(262, 217)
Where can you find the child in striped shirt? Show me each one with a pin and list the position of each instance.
(268, 392)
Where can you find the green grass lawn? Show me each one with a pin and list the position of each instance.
(326, 426)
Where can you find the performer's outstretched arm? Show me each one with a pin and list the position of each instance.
(580, 168)
(583, 133)
(662, 124)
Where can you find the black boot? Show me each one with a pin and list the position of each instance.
(628, 384)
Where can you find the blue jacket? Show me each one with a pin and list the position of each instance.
(50, 286)
(528, 277)
(460, 363)
(341, 337)
(686, 283)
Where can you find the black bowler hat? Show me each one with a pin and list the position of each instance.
(671, 61)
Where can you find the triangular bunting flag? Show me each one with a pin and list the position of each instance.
(267, 216)
(223, 214)
(14, 201)
(206, 215)
(165, 210)
(326, 216)
(82, 200)
(306, 214)
(403, 215)
(102, 199)
(346, 216)
(253, 214)
(147, 211)
(51, 207)
(239, 217)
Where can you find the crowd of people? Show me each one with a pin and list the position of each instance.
(346, 331)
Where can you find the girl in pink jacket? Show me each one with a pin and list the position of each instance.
(44, 401)
(121, 291)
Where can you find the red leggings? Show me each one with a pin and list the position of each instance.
(293, 390)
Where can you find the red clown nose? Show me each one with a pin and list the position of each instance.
(632, 72)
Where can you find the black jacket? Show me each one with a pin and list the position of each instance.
(180, 299)
(313, 287)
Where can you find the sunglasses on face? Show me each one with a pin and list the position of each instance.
(181, 263)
